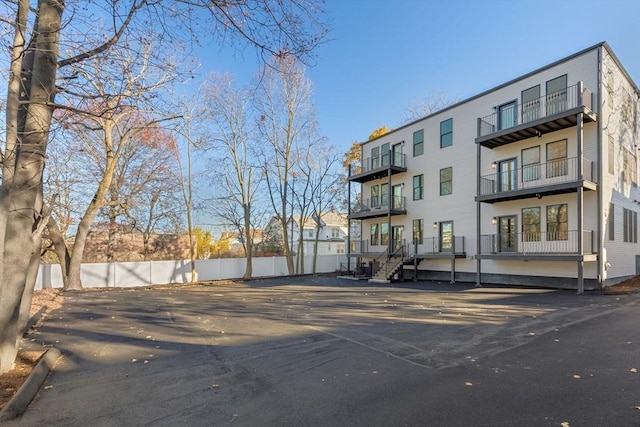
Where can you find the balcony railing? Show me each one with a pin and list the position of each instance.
(376, 204)
(545, 106)
(372, 164)
(536, 176)
(436, 245)
(556, 242)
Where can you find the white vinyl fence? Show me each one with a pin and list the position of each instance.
(127, 274)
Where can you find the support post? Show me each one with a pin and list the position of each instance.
(478, 213)
(580, 201)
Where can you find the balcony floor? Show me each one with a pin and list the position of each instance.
(440, 255)
(527, 193)
(538, 257)
(376, 213)
(373, 174)
(536, 128)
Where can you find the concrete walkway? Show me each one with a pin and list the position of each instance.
(330, 352)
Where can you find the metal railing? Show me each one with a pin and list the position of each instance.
(542, 242)
(536, 175)
(378, 163)
(397, 203)
(435, 245)
(544, 106)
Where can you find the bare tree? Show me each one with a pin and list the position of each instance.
(239, 173)
(327, 189)
(35, 65)
(188, 140)
(431, 103)
(116, 112)
(287, 123)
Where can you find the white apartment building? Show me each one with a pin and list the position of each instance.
(534, 182)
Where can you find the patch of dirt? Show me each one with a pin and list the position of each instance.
(11, 381)
(629, 285)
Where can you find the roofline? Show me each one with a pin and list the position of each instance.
(517, 79)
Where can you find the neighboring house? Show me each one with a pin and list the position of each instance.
(331, 228)
(534, 182)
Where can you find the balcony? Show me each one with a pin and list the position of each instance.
(537, 180)
(434, 247)
(375, 208)
(552, 112)
(549, 246)
(378, 167)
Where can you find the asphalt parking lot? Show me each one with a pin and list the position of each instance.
(322, 351)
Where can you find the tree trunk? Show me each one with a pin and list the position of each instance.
(248, 243)
(21, 191)
(315, 249)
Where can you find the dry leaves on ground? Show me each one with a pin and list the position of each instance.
(11, 381)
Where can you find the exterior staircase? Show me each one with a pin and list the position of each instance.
(387, 270)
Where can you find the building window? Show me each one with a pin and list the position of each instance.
(398, 199)
(611, 221)
(335, 233)
(557, 159)
(557, 222)
(386, 154)
(531, 104)
(375, 157)
(446, 181)
(374, 234)
(398, 158)
(531, 164)
(446, 236)
(630, 168)
(507, 115)
(418, 187)
(384, 233)
(611, 155)
(384, 195)
(446, 133)
(418, 143)
(375, 197)
(630, 226)
(418, 231)
(531, 224)
(557, 95)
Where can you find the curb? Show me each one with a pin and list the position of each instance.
(19, 402)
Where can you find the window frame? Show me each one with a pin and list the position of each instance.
(446, 135)
(630, 225)
(384, 233)
(559, 231)
(530, 171)
(373, 234)
(418, 144)
(531, 230)
(374, 202)
(443, 187)
(557, 166)
(611, 222)
(417, 226)
(419, 188)
(385, 154)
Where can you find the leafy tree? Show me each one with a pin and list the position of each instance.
(353, 157)
(379, 132)
(204, 244)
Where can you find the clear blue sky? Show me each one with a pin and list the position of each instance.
(387, 54)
